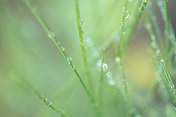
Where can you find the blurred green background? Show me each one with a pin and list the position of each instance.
(26, 52)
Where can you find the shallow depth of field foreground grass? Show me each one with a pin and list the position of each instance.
(87, 58)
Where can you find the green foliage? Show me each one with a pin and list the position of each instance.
(105, 86)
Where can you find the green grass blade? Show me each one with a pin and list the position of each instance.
(134, 24)
(84, 55)
(157, 28)
(47, 102)
(167, 28)
(168, 81)
(100, 86)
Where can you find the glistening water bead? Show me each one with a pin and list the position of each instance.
(109, 75)
(50, 103)
(69, 59)
(104, 67)
(110, 79)
(127, 16)
(82, 22)
(99, 62)
(117, 59)
(51, 35)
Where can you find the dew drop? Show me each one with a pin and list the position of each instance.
(51, 35)
(88, 41)
(45, 100)
(74, 67)
(99, 62)
(110, 79)
(172, 86)
(124, 33)
(82, 22)
(105, 67)
(111, 82)
(157, 52)
(121, 23)
(109, 75)
(117, 59)
(69, 59)
(162, 60)
(50, 103)
(96, 54)
(123, 9)
(153, 44)
(127, 16)
(63, 48)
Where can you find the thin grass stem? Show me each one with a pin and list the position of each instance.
(81, 37)
(167, 80)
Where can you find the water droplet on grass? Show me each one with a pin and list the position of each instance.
(51, 35)
(50, 103)
(172, 86)
(127, 16)
(82, 22)
(117, 59)
(162, 60)
(124, 33)
(105, 67)
(63, 48)
(157, 53)
(69, 59)
(109, 75)
(99, 62)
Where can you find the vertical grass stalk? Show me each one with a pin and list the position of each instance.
(167, 29)
(134, 23)
(120, 50)
(81, 37)
(100, 86)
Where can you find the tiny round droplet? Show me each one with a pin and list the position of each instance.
(50, 103)
(63, 48)
(99, 62)
(117, 59)
(105, 67)
(109, 75)
(162, 60)
(121, 23)
(82, 22)
(127, 16)
(69, 59)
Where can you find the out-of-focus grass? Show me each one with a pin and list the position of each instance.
(26, 52)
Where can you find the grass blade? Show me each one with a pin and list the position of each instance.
(84, 55)
(48, 103)
(167, 80)
(100, 87)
